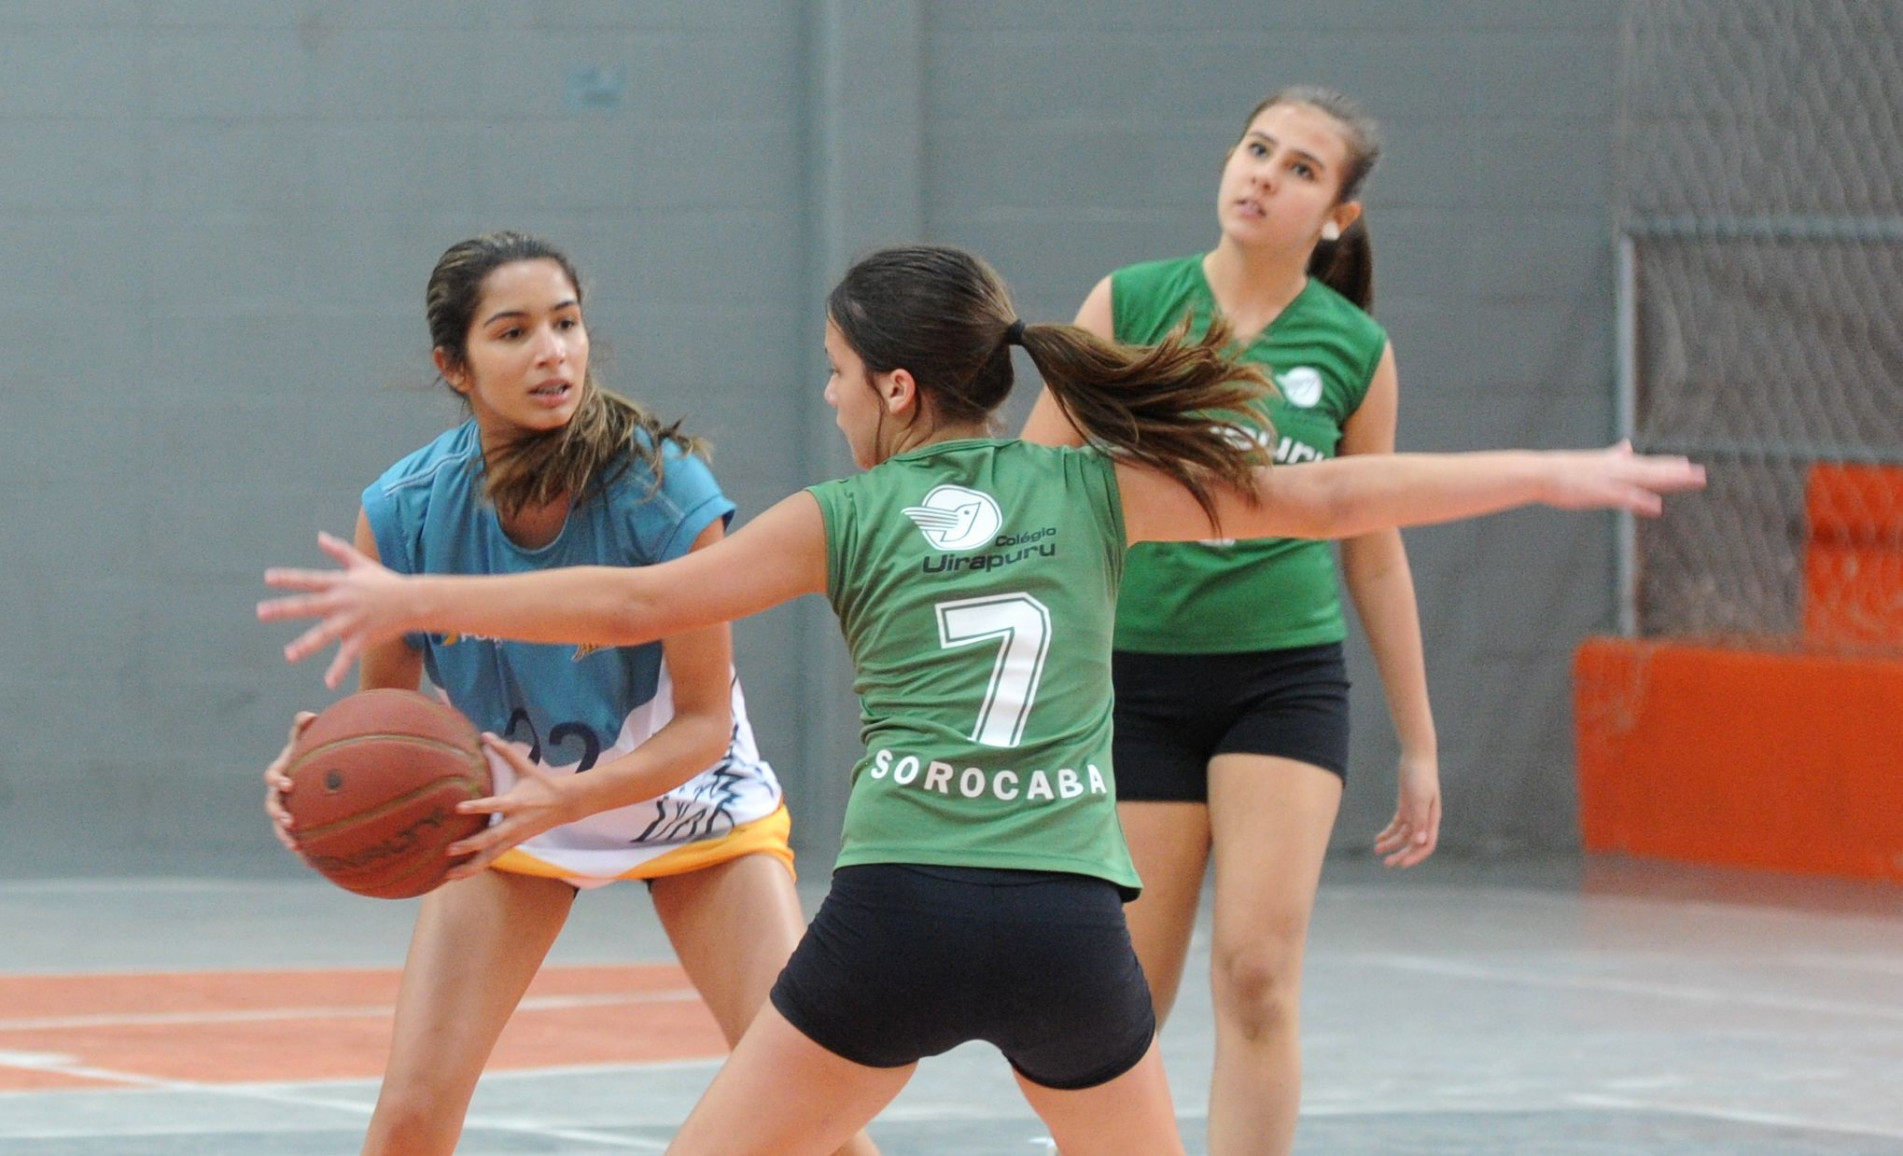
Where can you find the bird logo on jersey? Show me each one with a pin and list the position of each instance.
(954, 518)
(1302, 386)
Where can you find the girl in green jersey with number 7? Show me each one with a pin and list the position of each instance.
(982, 871)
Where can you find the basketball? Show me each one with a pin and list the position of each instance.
(375, 783)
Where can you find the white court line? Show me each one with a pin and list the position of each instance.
(287, 1095)
(276, 1095)
(1703, 1111)
(172, 885)
(1599, 1102)
(1880, 964)
(51, 1062)
(360, 1011)
(632, 1143)
(1574, 899)
(1426, 966)
(563, 1070)
(368, 970)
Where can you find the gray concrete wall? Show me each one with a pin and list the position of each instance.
(217, 218)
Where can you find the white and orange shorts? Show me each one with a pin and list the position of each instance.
(597, 867)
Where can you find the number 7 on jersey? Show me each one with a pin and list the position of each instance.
(1022, 627)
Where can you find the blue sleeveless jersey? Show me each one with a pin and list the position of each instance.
(575, 706)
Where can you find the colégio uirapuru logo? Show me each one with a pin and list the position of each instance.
(954, 518)
(1302, 386)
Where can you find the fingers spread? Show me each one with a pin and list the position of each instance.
(309, 642)
(514, 754)
(287, 578)
(479, 858)
(340, 666)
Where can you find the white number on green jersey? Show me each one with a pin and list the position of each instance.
(1022, 627)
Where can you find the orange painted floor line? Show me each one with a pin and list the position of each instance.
(248, 1026)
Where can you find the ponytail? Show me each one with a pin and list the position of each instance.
(1347, 265)
(945, 316)
(1158, 404)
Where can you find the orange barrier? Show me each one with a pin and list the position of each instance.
(1792, 762)
(1790, 759)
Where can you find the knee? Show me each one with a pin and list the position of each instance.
(1257, 987)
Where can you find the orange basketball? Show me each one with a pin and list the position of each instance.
(376, 779)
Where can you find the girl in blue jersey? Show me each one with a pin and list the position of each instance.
(1232, 724)
(919, 342)
(551, 470)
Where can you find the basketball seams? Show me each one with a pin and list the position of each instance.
(462, 749)
(445, 723)
(360, 818)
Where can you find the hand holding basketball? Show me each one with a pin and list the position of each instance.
(534, 804)
(277, 784)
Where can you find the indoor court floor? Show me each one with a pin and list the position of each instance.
(1473, 1008)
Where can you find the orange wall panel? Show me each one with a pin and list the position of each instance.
(1703, 754)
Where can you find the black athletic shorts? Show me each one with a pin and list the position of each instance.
(1175, 712)
(905, 961)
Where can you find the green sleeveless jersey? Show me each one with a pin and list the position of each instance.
(1263, 594)
(976, 583)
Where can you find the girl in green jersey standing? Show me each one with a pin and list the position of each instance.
(980, 882)
(1232, 697)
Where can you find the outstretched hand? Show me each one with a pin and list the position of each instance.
(355, 606)
(1618, 479)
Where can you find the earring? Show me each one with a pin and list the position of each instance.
(1331, 232)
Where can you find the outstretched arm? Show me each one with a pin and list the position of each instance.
(1344, 497)
(778, 556)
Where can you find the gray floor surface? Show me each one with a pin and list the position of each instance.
(1473, 1008)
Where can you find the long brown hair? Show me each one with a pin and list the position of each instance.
(946, 317)
(596, 446)
(1345, 265)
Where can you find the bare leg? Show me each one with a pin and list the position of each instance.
(1169, 843)
(1129, 1116)
(733, 926)
(781, 1094)
(1269, 819)
(477, 944)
